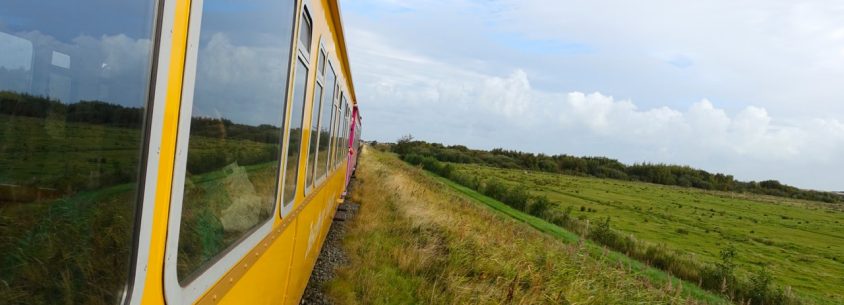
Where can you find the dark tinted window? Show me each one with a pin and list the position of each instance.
(296, 128)
(314, 133)
(321, 63)
(305, 32)
(341, 120)
(73, 95)
(291, 172)
(234, 148)
(325, 123)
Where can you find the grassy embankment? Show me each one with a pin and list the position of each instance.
(418, 241)
(800, 242)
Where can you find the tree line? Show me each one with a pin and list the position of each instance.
(115, 115)
(92, 112)
(602, 167)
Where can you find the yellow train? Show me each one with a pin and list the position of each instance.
(170, 151)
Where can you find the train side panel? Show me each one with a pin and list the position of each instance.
(279, 268)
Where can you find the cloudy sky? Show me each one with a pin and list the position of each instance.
(752, 88)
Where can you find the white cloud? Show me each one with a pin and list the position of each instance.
(231, 75)
(773, 111)
(111, 68)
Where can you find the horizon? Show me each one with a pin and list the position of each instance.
(611, 158)
(752, 94)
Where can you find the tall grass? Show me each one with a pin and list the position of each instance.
(414, 242)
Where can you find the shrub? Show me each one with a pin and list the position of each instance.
(539, 206)
(516, 197)
(493, 188)
(602, 233)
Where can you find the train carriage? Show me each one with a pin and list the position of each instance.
(170, 151)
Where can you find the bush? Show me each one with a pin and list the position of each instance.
(516, 197)
(494, 188)
(539, 206)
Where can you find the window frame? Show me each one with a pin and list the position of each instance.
(335, 127)
(301, 55)
(331, 134)
(205, 279)
(346, 129)
(316, 105)
(153, 128)
(341, 130)
(328, 68)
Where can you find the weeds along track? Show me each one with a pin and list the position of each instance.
(417, 241)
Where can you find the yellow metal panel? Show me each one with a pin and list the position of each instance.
(154, 286)
(265, 281)
(316, 215)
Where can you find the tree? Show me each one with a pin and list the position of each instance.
(403, 144)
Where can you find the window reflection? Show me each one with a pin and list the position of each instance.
(72, 106)
(235, 130)
(325, 123)
(314, 134)
(291, 172)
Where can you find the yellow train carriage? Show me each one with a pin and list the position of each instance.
(170, 151)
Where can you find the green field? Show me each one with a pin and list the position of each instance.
(801, 242)
(421, 239)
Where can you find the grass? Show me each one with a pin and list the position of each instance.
(800, 242)
(418, 241)
(654, 275)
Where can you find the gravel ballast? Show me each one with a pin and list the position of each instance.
(331, 256)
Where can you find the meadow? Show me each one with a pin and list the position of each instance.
(417, 239)
(801, 243)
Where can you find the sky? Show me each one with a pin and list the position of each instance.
(750, 88)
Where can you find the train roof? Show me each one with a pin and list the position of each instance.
(337, 23)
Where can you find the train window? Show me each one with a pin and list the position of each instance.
(320, 85)
(343, 127)
(321, 63)
(296, 129)
(291, 172)
(341, 149)
(235, 128)
(325, 123)
(73, 101)
(345, 142)
(335, 125)
(346, 126)
(305, 31)
(314, 134)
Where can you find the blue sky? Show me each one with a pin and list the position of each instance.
(751, 88)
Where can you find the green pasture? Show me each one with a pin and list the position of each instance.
(801, 242)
